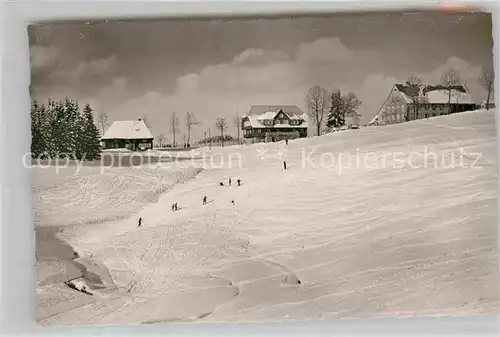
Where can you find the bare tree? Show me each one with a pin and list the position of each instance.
(174, 127)
(161, 139)
(351, 105)
(414, 82)
(190, 120)
(317, 101)
(487, 80)
(221, 124)
(237, 123)
(449, 80)
(102, 121)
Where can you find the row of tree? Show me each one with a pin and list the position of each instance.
(335, 106)
(321, 105)
(60, 129)
(191, 121)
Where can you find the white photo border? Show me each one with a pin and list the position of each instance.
(18, 275)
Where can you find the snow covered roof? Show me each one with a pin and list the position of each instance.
(260, 113)
(290, 110)
(267, 115)
(135, 129)
(435, 94)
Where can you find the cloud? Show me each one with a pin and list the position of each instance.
(85, 79)
(108, 95)
(257, 77)
(324, 51)
(269, 77)
(468, 72)
(42, 57)
(93, 68)
(259, 57)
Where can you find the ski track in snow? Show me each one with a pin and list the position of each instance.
(363, 243)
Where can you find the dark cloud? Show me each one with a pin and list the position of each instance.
(218, 67)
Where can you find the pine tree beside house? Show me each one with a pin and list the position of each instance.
(91, 135)
(336, 118)
(60, 130)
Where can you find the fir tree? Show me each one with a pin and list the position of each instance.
(91, 135)
(72, 136)
(336, 116)
(60, 130)
(37, 133)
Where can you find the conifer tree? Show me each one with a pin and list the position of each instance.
(92, 136)
(72, 136)
(38, 144)
(336, 117)
(61, 130)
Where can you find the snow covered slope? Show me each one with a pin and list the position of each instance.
(399, 231)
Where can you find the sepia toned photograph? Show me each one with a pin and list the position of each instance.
(264, 169)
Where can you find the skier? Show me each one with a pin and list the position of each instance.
(221, 183)
(239, 182)
(175, 206)
(204, 200)
(229, 181)
(286, 141)
(232, 201)
(284, 165)
(140, 222)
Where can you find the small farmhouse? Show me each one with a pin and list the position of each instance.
(133, 135)
(408, 102)
(274, 123)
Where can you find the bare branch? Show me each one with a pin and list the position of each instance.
(102, 121)
(487, 80)
(161, 139)
(221, 124)
(174, 126)
(317, 104)
(449, 80)
(237, 124)
(190, 120)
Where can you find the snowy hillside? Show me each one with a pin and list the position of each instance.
(399, 231)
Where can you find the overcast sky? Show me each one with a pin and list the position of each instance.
(221, 67)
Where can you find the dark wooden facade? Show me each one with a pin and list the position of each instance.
(131, 144)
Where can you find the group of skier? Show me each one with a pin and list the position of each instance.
(204, 202)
